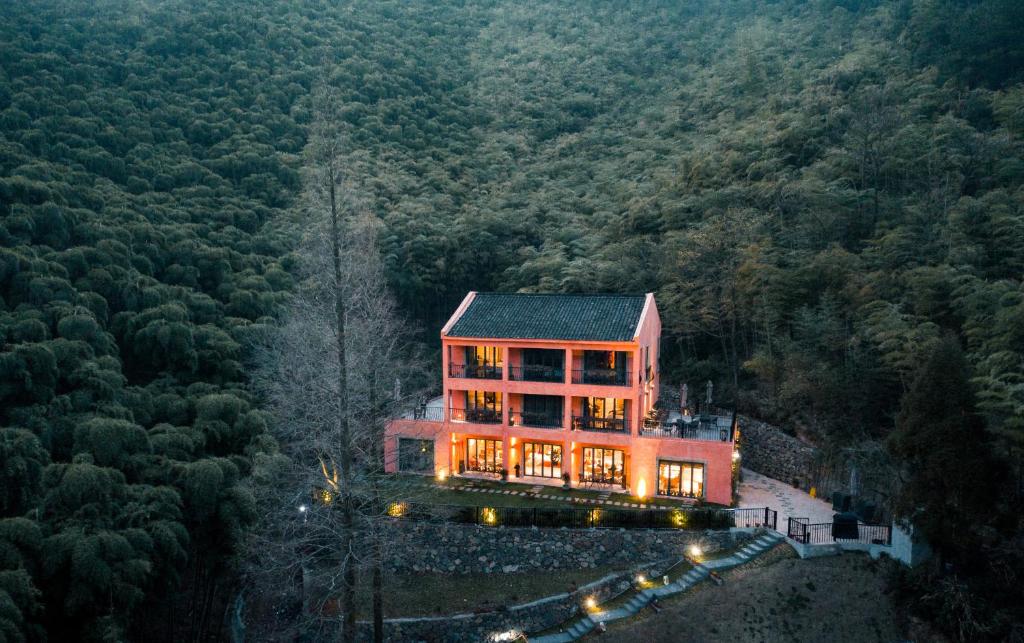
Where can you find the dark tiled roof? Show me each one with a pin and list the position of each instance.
(604, 318)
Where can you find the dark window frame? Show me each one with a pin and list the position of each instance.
(529, 464)
(618, 474)
(492, 463)
(682, 465)
(423, 447)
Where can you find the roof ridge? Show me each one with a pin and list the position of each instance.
(562, 294)
(604, 317)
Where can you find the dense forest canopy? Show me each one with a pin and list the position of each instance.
(823, 195)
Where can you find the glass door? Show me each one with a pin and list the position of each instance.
(483, 455)
(542, 460)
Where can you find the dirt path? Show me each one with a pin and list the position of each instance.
(776, 598)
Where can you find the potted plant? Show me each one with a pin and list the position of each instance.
(517, 470)
(565, 480)
(504, 475)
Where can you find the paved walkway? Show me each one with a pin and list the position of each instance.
(701, 572)
(757, 490)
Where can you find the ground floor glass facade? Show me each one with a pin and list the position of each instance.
(542, 460)
(682, 479)
(483, 455)
(603, 465)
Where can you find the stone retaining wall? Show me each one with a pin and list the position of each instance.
(464, 549)
(529, 617)
(419, 547)
(769, 451)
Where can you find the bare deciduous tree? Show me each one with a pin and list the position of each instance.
(328, 372)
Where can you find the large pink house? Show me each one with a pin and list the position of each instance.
(545, 386)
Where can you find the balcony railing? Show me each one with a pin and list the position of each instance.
(480, 415)
(433, 413)
(475, 371)
(536, 374)
(607, 425)
(539, 420)
(602, 376)
(696, 430)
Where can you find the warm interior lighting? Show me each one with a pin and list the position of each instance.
(641, 489)
(512, 441)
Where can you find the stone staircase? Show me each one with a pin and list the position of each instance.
(581, 626)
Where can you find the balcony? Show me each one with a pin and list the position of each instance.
(706, 428)
(536, 374)
(604, 425)
(475, 371)
(601, 376)
(478, 415)
(537, 420)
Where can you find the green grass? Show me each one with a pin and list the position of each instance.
(424, 489)
(445, 594)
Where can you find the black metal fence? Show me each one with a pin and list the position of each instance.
(755, 517)
(826, 533)
(586, 517)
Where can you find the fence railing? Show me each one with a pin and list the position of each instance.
(610, 425)
(601, 376)
(475, 371)
(584, 517)
(433, 413)
(538, 420)
(756, 517)
(684, 431)
(536, 374)
(480, 416)
(826, 533)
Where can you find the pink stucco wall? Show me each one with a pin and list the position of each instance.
(641, 453)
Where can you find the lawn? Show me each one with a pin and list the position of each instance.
(776, 597)
(445, 594)
(424, 489)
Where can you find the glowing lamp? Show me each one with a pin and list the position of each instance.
(591, 603)
(641, 489)
(695, 551)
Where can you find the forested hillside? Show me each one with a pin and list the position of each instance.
(827, 198)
